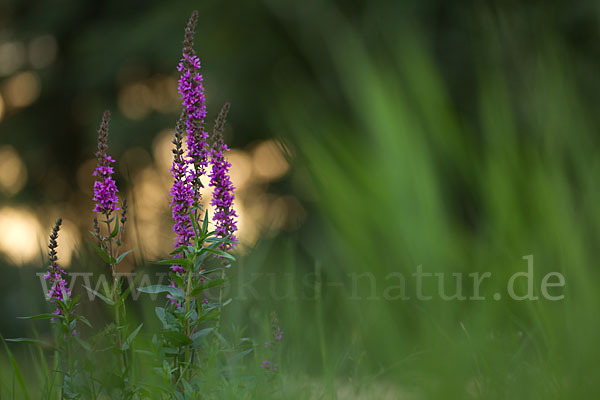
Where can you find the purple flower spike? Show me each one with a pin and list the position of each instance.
(182, 194)
(105, 188)
(194, 108)
(222, 198)
(56, 276)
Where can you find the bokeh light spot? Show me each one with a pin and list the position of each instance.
(22, 89)
(135, 101)
(42, 51)
(12, 55)
(1, 107)
(13, 173)
(241, 168)
(19, 236)
(161, 150)
(269, 161)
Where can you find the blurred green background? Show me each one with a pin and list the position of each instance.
(368, 137)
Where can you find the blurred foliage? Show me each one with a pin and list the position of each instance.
(459, 136)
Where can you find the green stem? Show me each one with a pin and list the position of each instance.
(187, 321)
(218, 324)
(115, 292)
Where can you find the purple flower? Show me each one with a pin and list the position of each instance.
(56, 276)
(265, 364)
(194, 109)
(105, 188)
(182, 194)
(222, 198)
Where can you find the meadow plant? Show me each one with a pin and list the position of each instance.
(189, 347)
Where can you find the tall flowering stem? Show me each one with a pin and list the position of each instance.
(223, 193)
(59, 293)
(194, 109)
(56, 277)
(106, 203)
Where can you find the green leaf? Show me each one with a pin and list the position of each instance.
(173, 261)
(216, 239)
(42, 316)
(83, 343)
(199, 336)
(240, 355)
(115, 231)
(162, 315)
(177, 339)
(111, 219)
(100, 296)
(122, 256)
(175, 292)
(84, 320)
(202, 333)
(107, 258)
(16, 369)
(209, 316)
(226, 302)
(207, 285)
(130, 287)
(131, 337)
(29, 341)
(145, 352)
(222, 339)
(220, 253)
(199, 260)
(205, 224)
(178, 250)
(194, 224)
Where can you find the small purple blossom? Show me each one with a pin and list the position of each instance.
(223, 193)
(171, 299)
(277, 335)
(56, 276)
(105, 188)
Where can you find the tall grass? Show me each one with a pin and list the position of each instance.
(402, 177)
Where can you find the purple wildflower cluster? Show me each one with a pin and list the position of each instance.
(56, 276)
(194, 107)
(188, 167)
(222, 198)
(105, 188)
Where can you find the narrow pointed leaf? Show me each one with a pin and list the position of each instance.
(207, 285)
(115, 231)
(220, 253)
(99, 295)
(16, 369)
(105, 257)
(122, 256)
(131, 337)
(41, 316)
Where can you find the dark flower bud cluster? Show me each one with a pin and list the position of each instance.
(56, 276)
